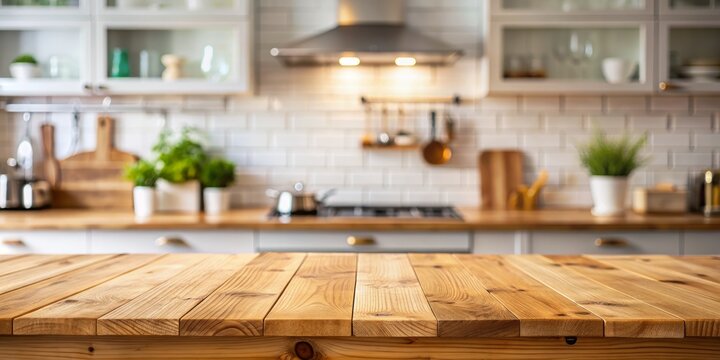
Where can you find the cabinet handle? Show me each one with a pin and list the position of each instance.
(611, 242)
(360, 240)
(170, 241)
(13, 242)
(88, 87)
(101, 87)
(666, 86)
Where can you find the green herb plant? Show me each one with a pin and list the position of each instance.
(180, 160)
(25, 59)
(218, 173)
(612, 157)
(142, 173)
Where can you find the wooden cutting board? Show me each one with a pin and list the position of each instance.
(93, 179)
(501, 172)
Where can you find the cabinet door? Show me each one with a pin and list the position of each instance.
(43, 242)
(689, 8)
(607, 243)
(496, 242)
(177, 8)
(701, 243)
(572, 8)
(689, 55)
(167, 241)
(53, 9)
(359, 241)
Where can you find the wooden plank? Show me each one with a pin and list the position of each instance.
(45, 270)
(461, 304)
(4, 258)
(710, 273)
(158, 311)
(318, 301)
(239, 306)
(712, 262)
(78, 314)
(389, 301)
(32, 297)
(700, 315)
(682, 282)
(624, 316)
(541, 310)
(329, 348)
(13, 264)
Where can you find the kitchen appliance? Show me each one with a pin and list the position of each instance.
(297, 201)
(400, 212)
(436, 152)
(369, 32)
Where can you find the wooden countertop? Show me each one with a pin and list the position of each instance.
(361, 295)
(340, 306)
(473, 219)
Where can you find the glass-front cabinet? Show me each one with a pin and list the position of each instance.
(689, 7)
(42, 7)
(175, 7)
(572, 7)
(531, 56)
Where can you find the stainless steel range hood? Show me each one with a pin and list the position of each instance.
(371, 32)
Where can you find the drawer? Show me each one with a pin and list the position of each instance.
(701, 243)
(605, 243)
(494, 242)
(43, 242)
(358, 241)
(147, 242)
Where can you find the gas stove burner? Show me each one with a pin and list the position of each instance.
(400, 212)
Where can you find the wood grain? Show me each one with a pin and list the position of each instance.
(389, 300)
(461, 304)
(270, 348)
(712, 262)
(318, 301)
(710, 273)
(45, 269)
(624, 316)
(541, 310)
(52, 289)
(239, 306)
(699, 315)
(501, 172)
(11, 264)
(158, 311)
(78, 314)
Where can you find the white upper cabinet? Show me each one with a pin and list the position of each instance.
(123, 46)
(572, 7)
(689, 7)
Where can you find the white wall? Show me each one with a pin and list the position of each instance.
(305, 123)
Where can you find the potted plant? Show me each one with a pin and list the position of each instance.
(24, 67)
(179, 160)
(144, 177)
(610, 163)
(216, 176)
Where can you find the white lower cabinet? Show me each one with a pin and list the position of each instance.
(506, 242)
(164, 241)
(701, 243)
(359, 241)
(589, 242)
(43, 242)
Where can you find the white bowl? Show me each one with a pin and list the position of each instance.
(24, 71)
(702, 72)
(617, 70)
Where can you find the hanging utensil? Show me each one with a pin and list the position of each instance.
(384, 137)
(436, 152)
(25, 151)
(51, 165)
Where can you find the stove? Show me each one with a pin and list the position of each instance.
(400, 212)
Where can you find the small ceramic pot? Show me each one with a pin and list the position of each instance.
(24, 71)
(216, 200)
(617, 70)
(182, 197)
(144, 201)
(608, 194)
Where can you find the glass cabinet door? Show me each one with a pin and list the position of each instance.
(216, 7)
(43, 7)
(574, 7)
(689, 54)
(689, 7)
(570, 56)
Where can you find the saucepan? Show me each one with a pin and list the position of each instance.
(297, 201)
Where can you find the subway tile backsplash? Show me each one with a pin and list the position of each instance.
(305, 124)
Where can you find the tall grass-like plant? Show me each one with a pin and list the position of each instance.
(603, 156)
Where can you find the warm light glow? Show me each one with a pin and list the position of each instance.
(405, 61)
(349, 61)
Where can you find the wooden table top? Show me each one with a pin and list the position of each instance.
(361, 295)
(257, 219)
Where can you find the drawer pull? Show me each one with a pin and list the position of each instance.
(360, 240)
(170, 241)
(13, 242)
(611, 242)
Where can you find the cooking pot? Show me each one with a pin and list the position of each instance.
(297, 201)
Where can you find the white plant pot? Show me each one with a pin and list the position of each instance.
(617, 70)
(608, 193)
(216, 200)
(24, 71)
(144, 201)
(183, 197)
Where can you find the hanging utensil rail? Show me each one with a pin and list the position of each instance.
(455, 100)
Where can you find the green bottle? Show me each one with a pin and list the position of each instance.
(120, 63)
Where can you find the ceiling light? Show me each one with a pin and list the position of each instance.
(349, 61)
(405, 61)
